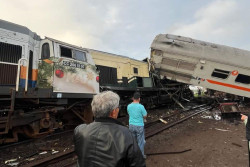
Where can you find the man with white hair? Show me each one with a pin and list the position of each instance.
(106, 142)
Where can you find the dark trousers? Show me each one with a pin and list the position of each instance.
(248, 152)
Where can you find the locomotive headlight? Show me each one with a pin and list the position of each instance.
(59, 73)
(97, 78)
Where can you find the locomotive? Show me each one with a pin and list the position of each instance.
(47, 84)
(43, 82)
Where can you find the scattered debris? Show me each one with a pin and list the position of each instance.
(54, 151)
(30, 159)
(237, 144)
(163, 121)
(177, 152)
(216, 115)
(44, 152)
(199, 122)
(65, 149)
(11, 162)
(206, 117)
(223, 130)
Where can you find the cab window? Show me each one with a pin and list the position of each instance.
(81, 56)
(65, 52)
(45, 51)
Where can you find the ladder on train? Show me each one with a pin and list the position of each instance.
(6, 113)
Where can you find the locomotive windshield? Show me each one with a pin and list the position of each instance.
(81, 56)
(75, 54)
(66, 52)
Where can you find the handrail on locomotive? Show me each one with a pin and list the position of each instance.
(18, 74)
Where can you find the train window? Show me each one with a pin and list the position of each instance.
(10, 53)
(135, 70)
(243, 79)
(66, 52)
(81, 56)
(220, 73)
(45, 51)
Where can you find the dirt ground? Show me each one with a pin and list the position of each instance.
(213, 144)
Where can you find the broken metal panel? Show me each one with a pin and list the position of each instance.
(187, 66)
(229, 108)
(188, 47)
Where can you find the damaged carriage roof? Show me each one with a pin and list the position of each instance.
(189, 47)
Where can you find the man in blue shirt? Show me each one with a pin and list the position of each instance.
(137, 113)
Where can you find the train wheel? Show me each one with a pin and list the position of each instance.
(35, 130)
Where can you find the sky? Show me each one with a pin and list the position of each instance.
(128, 27)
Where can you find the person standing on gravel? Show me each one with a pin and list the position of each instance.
(137, 114)
(106, 142)
(247, 123)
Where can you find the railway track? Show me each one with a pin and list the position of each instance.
(39, 152)
(59, 159)
(155, 127)
(67, 157)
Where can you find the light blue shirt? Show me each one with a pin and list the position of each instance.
(136, 112)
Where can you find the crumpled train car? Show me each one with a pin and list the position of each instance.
(200, 63)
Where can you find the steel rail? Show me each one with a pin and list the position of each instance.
(171, 115)
(158, 130)
(52, 159)
(33, 140)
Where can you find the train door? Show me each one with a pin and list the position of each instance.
(72, 73)
(45, 65)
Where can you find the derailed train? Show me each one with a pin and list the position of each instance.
(46, 84)
(213, 66)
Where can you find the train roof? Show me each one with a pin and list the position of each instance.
(116, 55)
(185, 46)
(18, 28)
(67, 44)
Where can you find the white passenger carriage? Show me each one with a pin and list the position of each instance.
(200, 63)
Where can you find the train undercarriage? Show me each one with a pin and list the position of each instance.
(38, 112)
(33, 117)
